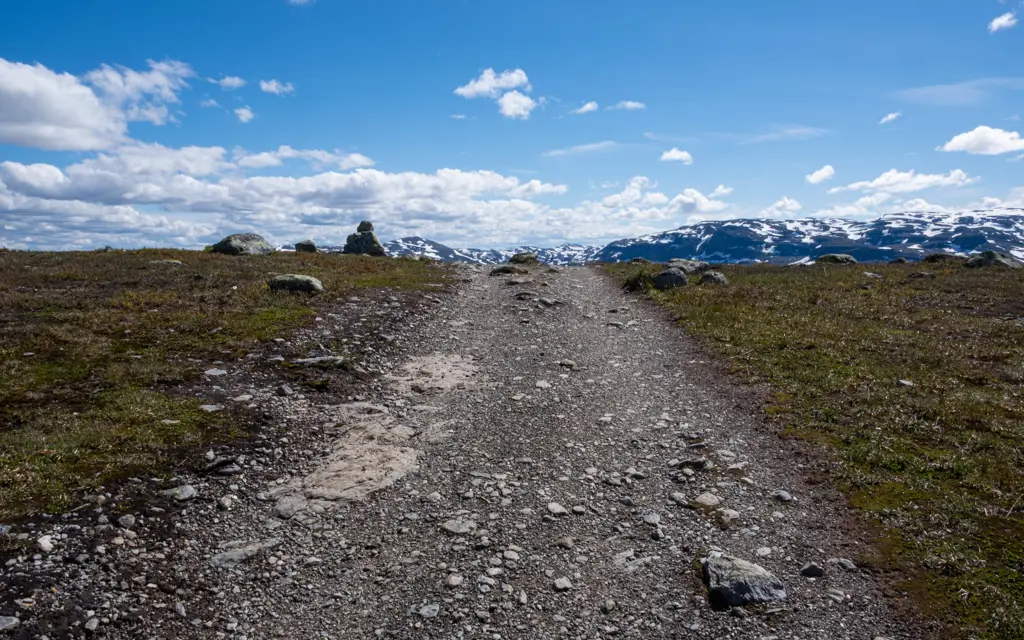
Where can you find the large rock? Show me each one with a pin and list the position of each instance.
(733, 582)
(305, 246)
(670, 278)
(243, 244)
(991, 259)
(689, 266)
(713, 277)
(837, 258)
(364, 241)
(296, 283)
(524, 258)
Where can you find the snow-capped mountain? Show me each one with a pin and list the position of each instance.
(566, 254)
(910, 235)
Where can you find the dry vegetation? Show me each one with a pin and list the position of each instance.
(99, 351)
(915, 386)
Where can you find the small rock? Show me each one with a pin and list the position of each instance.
(458, 526)
(45, 544)
(608, 606)
(215, 372)
(562, 584)
(565, 542)
(429, 610)
(182, 493)
(707, 500)
(295, 283)
(556, 509)
(812, 570)
(453, 580)
(92, 624)
(127, 521)
(8, 622)
(782, 496)
(652, 519)
(733, 582)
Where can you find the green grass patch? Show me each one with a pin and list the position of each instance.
(936, 459)
(96, 349)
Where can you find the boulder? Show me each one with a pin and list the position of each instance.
(898, 261)
(364, 241)
(640, 261)
(670, 278)
(295, 283)
(941, 258)
(524, 258)
(689, 266)
(733, 582)
(508, 270)
(243, 244)
(991, 259)
(305, 246)
(837, 258)
(713, 277)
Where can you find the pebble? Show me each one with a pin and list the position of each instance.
(92, 624)
(453, 580)
(45, 544)
(430, 610)
(562, 584)
(652, 519)
(458, 526)
(812, 570)
(182, 493)
(127, 521)
(782, 496)
(556, 509)
(8, 622)
(707, 499)
(543, 384)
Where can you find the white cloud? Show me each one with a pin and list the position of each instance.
(1005, 21)
(677, 155)
(891, 117)
(317, 157)
(209, 103)
(245, 114)
(782, 208)
(142, 95)
(894, 181)
(779, 133)
(276, 87)
(516, 105)
(821, 175)
(958, 94)
(54, 111)
(985, 141)
(628, 105)
(581, 148)
(721, 190)
(458, 116)
(587, 108)
(490, 84)
(228, 82)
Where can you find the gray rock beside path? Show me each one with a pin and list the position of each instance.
(733, 582)
(295, 283)
(670, 278)
(243, 244)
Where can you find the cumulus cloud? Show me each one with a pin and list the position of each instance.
(210, 102)
(628, 105)
(891, 117)
(516, 105)
(894, 181)
(490, 84)
(142, 95)
(1006, 21)
(228, 82)
(581, 148)
(586, 108)
(782, 208)
(721, 190)
(677, 155)
(54, 111)
(317, 157)
(985, 141)
(276, 87)
(245, 114)
(821, 175)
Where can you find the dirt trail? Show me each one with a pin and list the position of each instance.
(577, 412)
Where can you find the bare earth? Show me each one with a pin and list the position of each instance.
(441, 501)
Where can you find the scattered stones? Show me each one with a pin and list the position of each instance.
(837, 258)
(670, 278)
(181, 494)
(243, 244)
(459, 527)
(733, 582)
(295, 283)
(812, 570)
(713, 277)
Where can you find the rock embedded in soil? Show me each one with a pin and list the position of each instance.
(734, 582)
(670, 278)
(243, 244)
(295, 283)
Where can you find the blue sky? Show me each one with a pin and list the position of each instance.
(489, 123)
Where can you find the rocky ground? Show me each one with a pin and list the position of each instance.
(548, 458)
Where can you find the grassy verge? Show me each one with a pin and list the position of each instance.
(915, 385)
(98, 349)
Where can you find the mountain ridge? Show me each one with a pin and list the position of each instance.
(910, 235)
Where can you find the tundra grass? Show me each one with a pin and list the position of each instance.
(98, 351)
(915, 386)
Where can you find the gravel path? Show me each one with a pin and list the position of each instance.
(531, 472)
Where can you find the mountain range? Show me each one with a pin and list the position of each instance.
(910, 235)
